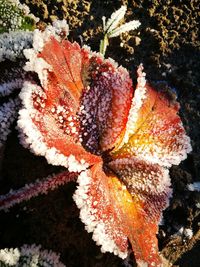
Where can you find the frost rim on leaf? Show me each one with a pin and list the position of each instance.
(97, 227)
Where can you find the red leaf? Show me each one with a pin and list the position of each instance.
(154, 130)
(67, 60)
(108, 209)
(49, 120)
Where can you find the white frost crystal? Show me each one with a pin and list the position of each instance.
(12, 44)
(194, 187)
(114, 20)
(29, 256)
(8, 112)
(8, 87)
(132, 25)
(10, 256)
(112, 28)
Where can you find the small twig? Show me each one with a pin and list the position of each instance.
(38, 187)
(175, 248)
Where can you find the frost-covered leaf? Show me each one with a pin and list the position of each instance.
(114, 19)
(29, 256)
(80, 111)
(105, 104)
(48, 120)
(66, 60)
(112, 29)
(15, 16)
(59, 117)
(154, 130)
(131, 25)
(149, 182)
(114, 216)
(94, 198)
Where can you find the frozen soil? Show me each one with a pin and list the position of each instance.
(168, 44)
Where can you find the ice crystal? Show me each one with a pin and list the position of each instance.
(12, 45)
(29, 256)
(9, 257)
(194, 187)
(8, 113)
(12, 76)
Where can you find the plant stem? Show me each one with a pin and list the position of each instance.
(36, 188)
(103, 45)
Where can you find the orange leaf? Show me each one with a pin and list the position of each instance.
(66, 60)
(49, 120)
(154, 130)
(149, 182)
(108, 209)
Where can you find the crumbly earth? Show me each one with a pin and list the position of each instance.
(168, 44)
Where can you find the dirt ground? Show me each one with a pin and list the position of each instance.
(168, 44)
